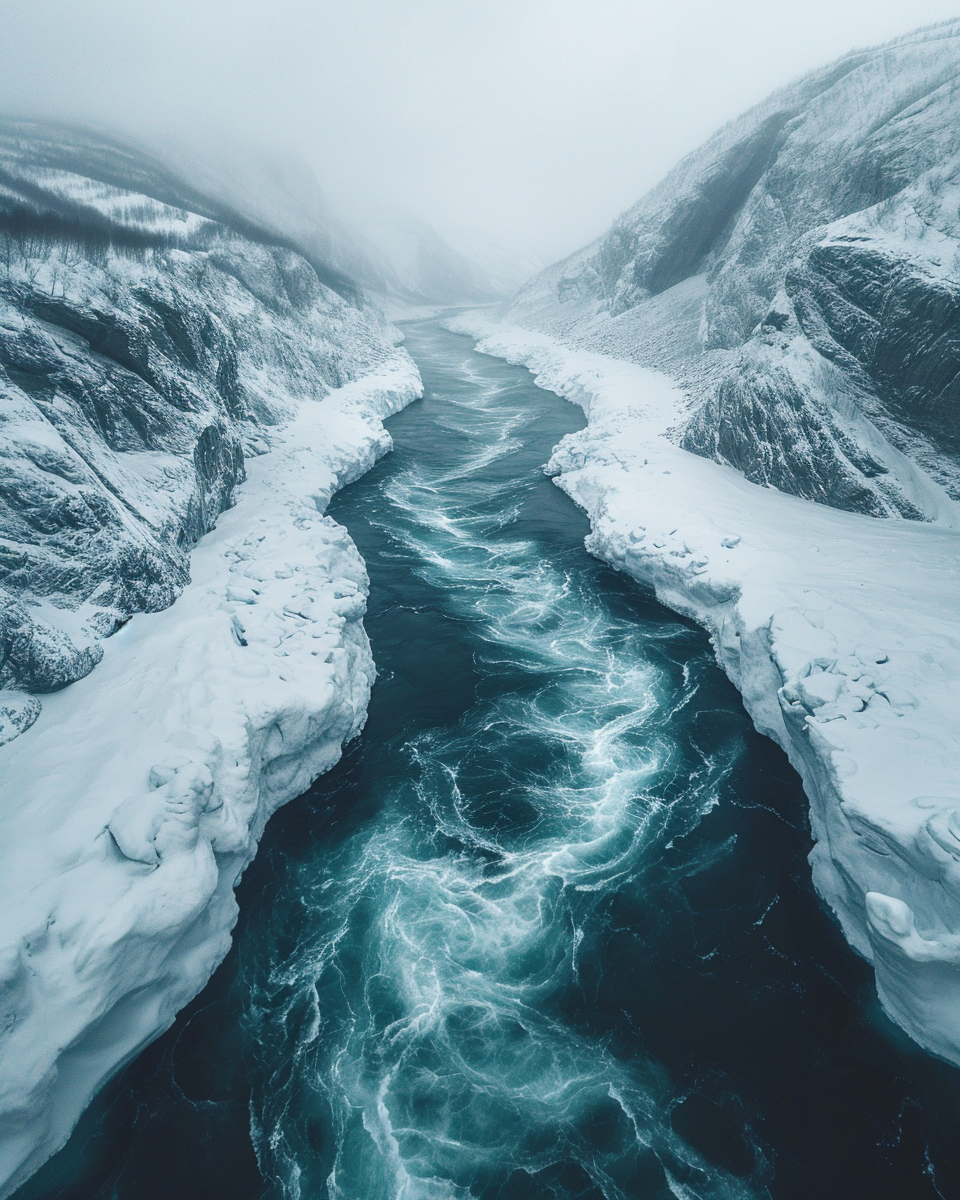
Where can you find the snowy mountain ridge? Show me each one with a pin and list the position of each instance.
(766, 347)
(147, 349)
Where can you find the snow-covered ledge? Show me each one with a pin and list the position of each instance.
(841, 631)
(133, 804)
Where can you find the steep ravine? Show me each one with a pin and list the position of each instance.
(547, 930)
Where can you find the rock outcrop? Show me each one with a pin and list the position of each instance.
(819, 237)
(150, 341)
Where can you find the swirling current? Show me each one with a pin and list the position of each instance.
(547, 931)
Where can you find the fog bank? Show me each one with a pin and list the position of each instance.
(532, 125)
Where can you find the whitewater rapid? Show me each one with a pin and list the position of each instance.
(425, 1015)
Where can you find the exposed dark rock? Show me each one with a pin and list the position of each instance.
(146, 334)
(764, 419)
(899, 322)
(823, 357)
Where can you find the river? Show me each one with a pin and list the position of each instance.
(547, 931)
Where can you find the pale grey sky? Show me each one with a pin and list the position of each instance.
(533, 122)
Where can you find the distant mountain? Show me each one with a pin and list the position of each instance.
(423, 268)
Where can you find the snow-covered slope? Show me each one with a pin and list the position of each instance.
(796, 283)
(146, 349)
(799, 275)
(172, 379)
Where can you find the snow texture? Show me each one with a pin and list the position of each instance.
(840, 630)
(172, 379)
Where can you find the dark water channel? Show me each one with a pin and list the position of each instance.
(547, 931)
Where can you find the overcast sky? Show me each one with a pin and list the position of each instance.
(533, 122)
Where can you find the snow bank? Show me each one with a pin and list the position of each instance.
(132, 805)
(842, 632)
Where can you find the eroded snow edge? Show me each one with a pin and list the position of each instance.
(136, 800)
(842, 633)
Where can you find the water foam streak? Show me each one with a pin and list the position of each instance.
(428, 1016)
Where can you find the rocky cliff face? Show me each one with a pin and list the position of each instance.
(150, 340)
(800, 275)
